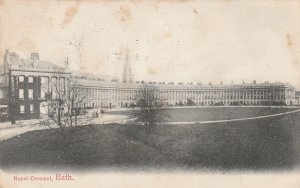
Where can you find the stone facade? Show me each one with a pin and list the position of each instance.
(25, 82)
(105, 94)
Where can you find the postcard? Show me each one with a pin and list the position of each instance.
(149, 93)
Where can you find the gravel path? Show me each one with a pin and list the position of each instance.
(8, 131)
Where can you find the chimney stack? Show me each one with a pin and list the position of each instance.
(34, 56)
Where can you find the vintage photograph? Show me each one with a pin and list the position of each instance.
(148, 87)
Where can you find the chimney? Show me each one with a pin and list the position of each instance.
(34, 56)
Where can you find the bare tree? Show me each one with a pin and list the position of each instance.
(148, 108)
(64, 109)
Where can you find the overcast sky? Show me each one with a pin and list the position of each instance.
(207, 41)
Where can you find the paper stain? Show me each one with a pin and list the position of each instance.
(136, 2)
(83, 67)
(2, 2)
(69, 15)
(98, 65)
(291, 45)
(27, 44)
(296, 63)
(151, 71)
(168, 35)
(289, 40)
(156, 3)
(124, 14)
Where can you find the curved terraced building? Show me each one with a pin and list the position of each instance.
(25, 83)
(120, 94)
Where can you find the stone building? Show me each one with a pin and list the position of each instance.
(111, 93)
(25, 83)
(297, 98)
(115, 94)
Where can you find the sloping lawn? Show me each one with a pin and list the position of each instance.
(213, 113)
(247, 145)
(223, 113)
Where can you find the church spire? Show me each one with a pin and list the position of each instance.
(127, 73)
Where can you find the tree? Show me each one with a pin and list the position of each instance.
(64, 109)
(190, 102)
(148, 108)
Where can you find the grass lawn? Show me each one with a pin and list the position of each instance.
(271, 143)
(217, 113)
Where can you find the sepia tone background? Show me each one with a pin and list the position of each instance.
(180, 41)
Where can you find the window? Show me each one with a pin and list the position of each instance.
(54, 87)
(4, 111)
(43, 94)
(22, 109)
(31, 108)
(30, 79)
(21, 78)
(1, 79)
(62, 85)
(21, 93)
(44, 80)
(30, 93)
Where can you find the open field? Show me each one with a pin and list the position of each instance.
(214, 113)
(271, 143)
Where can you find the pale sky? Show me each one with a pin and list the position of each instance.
(189, 41)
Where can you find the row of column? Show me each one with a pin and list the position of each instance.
(126, 95)
(227, 94)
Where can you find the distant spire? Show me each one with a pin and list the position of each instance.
(127, 73)
(66, 63)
